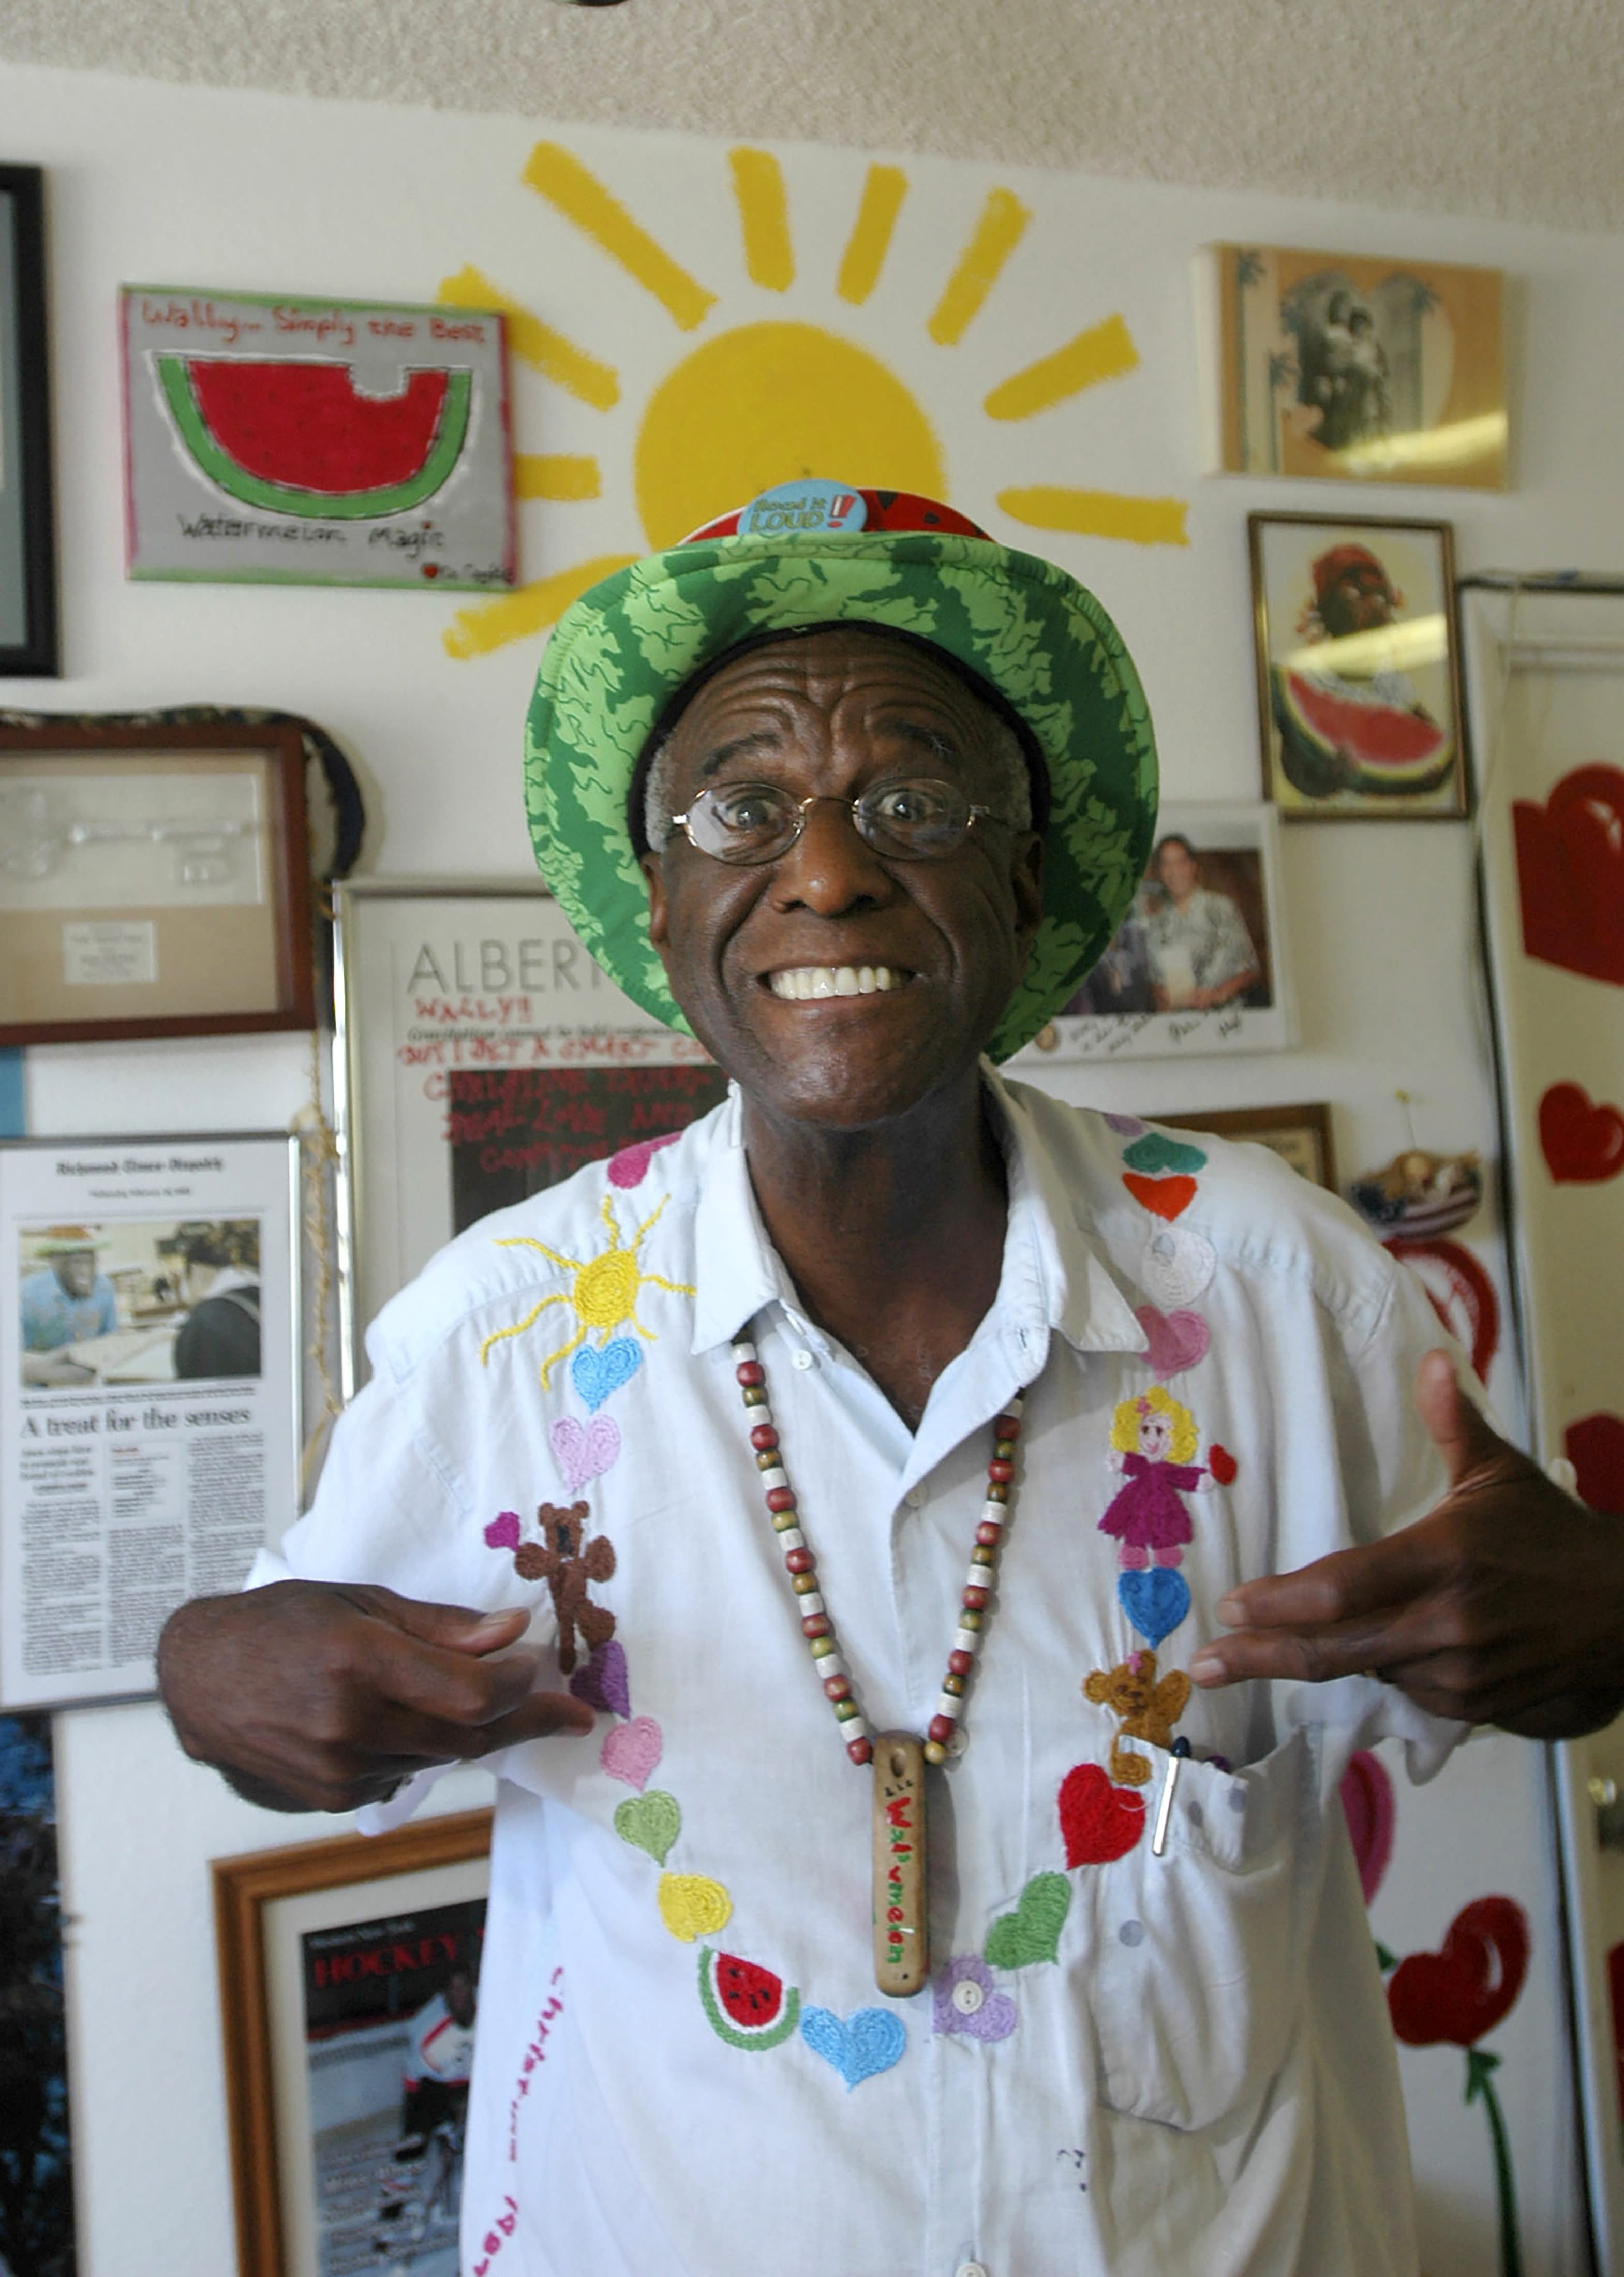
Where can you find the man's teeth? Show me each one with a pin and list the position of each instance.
(808, 980)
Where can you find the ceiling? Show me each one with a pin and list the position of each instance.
(1503, 109)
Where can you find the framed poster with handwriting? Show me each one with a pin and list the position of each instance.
(481, 1055)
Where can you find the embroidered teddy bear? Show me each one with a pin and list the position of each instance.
(1148, 1708)
(567, 1563)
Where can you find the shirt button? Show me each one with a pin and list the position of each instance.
(914, 1497)
(971, 2269)
(803, 1359)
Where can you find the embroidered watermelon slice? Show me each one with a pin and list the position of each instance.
(748, 2007)
(1379, 748)
(294, 438)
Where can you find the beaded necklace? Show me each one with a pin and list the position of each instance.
(902, 1930)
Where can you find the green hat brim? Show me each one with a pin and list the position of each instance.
(624, 650)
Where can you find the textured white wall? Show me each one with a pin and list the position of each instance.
(197, 187)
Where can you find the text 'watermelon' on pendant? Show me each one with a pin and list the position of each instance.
(803, 507)
(902, 1925)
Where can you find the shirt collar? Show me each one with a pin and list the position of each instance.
(1052, 1278)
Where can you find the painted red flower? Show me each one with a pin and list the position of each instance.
(1461, 1993)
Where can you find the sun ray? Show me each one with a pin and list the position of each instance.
(997, 234)
(553, 356)
(492, 624)
(558, 175)
(1104, 352)
(870, 242)
(552, 475)
(763, 216)
(1099, 513)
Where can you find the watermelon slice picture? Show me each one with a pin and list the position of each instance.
(1332, 742)
(295, 438)
(747, 2006)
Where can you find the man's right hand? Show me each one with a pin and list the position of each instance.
(322, 1695)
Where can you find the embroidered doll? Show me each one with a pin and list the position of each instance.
(1152, 1438)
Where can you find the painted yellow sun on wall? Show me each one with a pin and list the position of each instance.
(757, 403)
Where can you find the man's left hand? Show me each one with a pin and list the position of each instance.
(1504, 1605)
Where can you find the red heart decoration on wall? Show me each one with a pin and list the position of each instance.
(1098, 1822)
(1368, 1807)
(1222, 1464)
(1582, 1143)
(1570, 873)
(1166, 1196)
(1595, 1447)
(1463, 1991)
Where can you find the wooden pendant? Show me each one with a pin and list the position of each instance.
(901, 1923)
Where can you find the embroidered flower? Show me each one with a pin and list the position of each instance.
(967, 2003)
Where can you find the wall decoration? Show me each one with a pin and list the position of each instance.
(1358, 691)
(477, 1041)
(27, 532)
(149, 1367)
(1358, 368)
(1199, 964)
(348, 1990)
(36, 2169)
(1299, 1135)
(1419, 1195)
(820, 338)
(312, 441)
(1570, 873)
(154, 880)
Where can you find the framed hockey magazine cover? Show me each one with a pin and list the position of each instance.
(481, 1055)
(349, 1991)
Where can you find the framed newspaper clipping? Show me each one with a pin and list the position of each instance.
(482, 1055)
(149, 1395)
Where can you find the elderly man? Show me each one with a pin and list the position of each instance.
(872, 1888)
(66, 1301)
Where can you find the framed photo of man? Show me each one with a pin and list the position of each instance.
(1198, 966)
(1358, 681)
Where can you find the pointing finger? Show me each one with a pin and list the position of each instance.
(1456, 1427)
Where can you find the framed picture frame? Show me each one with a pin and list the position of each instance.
(155, 880)
(1359, 368)
(1358, 675)
(1301, 1135)
(480, 1054)
(150, 1373)
(1200, 965)
(328, 1953)
(27, 521)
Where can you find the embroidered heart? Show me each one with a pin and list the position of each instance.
(584, 1450)
(692, 1905)
(630, 1166)
(502, 1531)
(1032, 1932)
(1098, 1822)
(1177, 1265)
(1155, 1600)
(595, 1373)
(602, 1681)
(1582, 1143)
(1167, 1197)
(1126, 1126)
(965, 2001)
(651, 1822)
(631, 1752)
(1222, 1465)
(1178, 1340)
(869, 2041)
(1463, 1991)
(1369, 1808)
(1156, 1151)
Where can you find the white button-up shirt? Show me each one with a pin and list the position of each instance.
(1125, 2062)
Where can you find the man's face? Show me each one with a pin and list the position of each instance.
(76, 1272)
(460, 1999)
(831, 715)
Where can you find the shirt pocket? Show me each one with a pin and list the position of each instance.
(1197, 1958)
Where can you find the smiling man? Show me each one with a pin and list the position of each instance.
(873, 1470)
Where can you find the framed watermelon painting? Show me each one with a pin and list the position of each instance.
(287, 440)
(1358, 681)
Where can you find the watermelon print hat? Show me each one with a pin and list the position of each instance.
(814, 554)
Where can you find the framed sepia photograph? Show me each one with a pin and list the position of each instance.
(1359, 368)
(1199, 964)
(1358, 681)
(480, 1055)
(154, 881)
(28, 531)
(1301, 1135)
(349, 1989)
